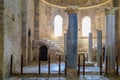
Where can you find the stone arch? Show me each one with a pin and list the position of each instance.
(43, 52)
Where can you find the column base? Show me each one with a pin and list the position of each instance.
(72, 72)
(111, 71)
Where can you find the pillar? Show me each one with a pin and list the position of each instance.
(36, 19)
(90, 47)
(1, 39)
(65, 39)
(116, 3)
(24, 31)
(99, 46)
(110, 38)
(71, 54)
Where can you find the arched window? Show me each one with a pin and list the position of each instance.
(58, 25)
(86, 26)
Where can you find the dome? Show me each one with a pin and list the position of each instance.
(79, 3)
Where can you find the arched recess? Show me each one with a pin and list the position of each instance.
(58, 25)
(43, 52)
(86, 26)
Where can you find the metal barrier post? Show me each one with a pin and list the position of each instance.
(100, 65)
(83, 65)
(117, 71)
(39, 64)
(11, 60)
(48, 64)
(59, 63)
(106, 65)
(78, 64)
(65, 67)
(21, 64)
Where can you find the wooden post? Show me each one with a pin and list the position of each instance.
(117, 70)
(59, 64)
(83, 65)
(39, 64)
(11, 60)
(48, 64)
(100, 65)
(21, 64)
(106, 65)
(78, 64)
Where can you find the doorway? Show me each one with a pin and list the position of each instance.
(43, 51)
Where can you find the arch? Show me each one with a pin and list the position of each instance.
(43, 51)
(86, 26)
(58, 24)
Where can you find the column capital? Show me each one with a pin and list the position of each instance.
(72, 9)
(111, 10)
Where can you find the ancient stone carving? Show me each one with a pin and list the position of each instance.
(111, 10)
(72, 9)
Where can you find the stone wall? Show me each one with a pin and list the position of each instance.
(48, 13)
(27, 29)
(1, 36)
(46, 23)
(12, 35)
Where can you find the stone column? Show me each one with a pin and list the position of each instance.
(99, 46)
(36, 19)
(1, 38)
(116, 3)
(72, 33)
(90, 48)
(24, 31)
(65, 39)
(110, 38)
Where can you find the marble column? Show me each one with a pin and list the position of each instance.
(90, 48)
(110, 38)
(72, 33)
(99, 46)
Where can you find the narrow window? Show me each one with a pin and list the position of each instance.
(86, 26)
(58, 25)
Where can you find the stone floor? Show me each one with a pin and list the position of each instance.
(91, 73)
(86, 77)
(54, 69)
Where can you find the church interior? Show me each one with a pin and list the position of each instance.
(59, 39)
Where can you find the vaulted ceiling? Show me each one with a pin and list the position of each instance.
(80, 3)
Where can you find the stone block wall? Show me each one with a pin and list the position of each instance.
(12, 35)
(46, 23)
(48, 13)
(1, 36)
